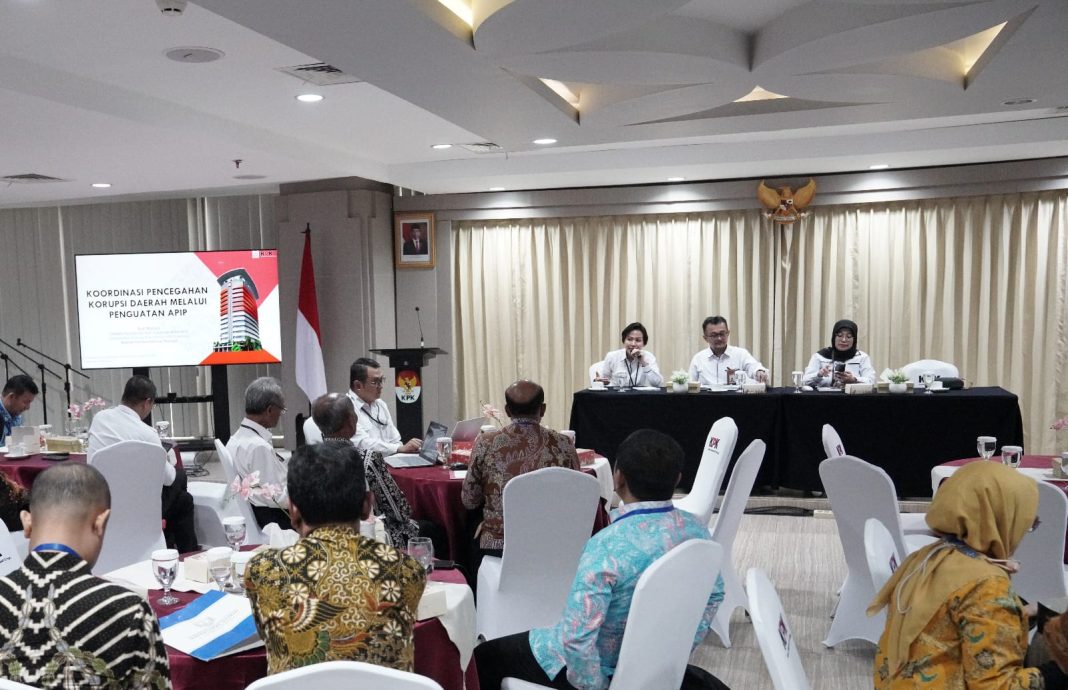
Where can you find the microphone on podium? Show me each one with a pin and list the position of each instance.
(419, 321)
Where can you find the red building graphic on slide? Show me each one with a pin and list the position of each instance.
(239, 326)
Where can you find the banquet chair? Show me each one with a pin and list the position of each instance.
(916, 370)
(134, 473)
(883, 557)
(10, 560)
(857, 491)
(719, 447)
(723, 532)
(253, 533)
(667, 606)
(6, 684)
(22, 544)
(776, 640)
(1041, 552)
(548, 516)
(210, 506)
(344, 675)
(594, 369)
(312, 434)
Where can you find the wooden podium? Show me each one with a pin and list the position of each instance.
(408, 363)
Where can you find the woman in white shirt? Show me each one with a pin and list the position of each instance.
(842, 362)
(632, 362)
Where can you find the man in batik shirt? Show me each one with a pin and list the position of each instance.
(334, 595)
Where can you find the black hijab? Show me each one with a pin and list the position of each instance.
(834, 354)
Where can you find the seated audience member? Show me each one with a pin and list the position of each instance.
(842, 362)
(15, 398)
(62, 627)
(1055, 634)
(952, 615)
(582, 650)
(252, 451)
(126, 422)
(717, 364)
(334, 415)
(638, 366)
(498, 456)
(13, 500)
(375, 430)
(334, 595)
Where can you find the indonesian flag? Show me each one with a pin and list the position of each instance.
(311, 374)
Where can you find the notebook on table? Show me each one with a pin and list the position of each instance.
(427, 455)
(467, 430)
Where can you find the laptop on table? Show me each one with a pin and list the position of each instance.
(427, 455)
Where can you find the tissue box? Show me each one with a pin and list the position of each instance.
(196, 568)
(63, 444)
(858, 388)
(433, 602)
(754, 387)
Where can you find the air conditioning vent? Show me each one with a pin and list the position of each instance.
(320, 74)
(30, 178)
(482, 147)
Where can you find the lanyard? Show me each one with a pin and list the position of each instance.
(53, 546)
(634, 375)
(376, 420)
(645, 511)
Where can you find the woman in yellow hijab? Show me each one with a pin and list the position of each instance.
(953, 619)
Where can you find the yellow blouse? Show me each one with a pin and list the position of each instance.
(976, 640)
(335, 595)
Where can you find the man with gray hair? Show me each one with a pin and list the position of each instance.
(252, 451)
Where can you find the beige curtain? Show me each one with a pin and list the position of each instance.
(981, 282)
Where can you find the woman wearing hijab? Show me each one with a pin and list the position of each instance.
(953, 619)
(638, 366)
(842, 362)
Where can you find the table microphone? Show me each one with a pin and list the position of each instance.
(419, 321)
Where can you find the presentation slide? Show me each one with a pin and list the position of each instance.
(178, 309)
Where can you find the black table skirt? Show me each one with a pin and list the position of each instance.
(904, 434)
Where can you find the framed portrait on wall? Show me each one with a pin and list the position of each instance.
(413, 240)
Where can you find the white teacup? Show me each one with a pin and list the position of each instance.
(936, 385)
(597, 385)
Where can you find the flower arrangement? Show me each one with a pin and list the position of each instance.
(679, 376)
(897, 376)
(493, 413)
(76, 411)
(1059, 424)
(250, 487)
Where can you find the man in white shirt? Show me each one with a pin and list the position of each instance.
(717, 364)
(375, 430)
(126, 422)
(252, 450)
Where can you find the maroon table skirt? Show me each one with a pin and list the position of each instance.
(436, 656)
(24, 471)
(1038, 462)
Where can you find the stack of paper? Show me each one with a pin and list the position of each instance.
(212, 625)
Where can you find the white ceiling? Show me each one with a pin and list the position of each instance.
(87, 95)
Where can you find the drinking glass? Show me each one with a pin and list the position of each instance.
(740, 378)
(234, 528)
(165, 568)
(620, 378)
(219, 565)
(1010, 455)
(422, 550)
(986, 446)
(928, 379)
(797, 380)
(161, 428)
(238, 561)
(444, 446)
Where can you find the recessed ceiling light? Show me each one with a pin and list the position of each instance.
(496, 189)
(1018, 101)
(545, 141)
(441, 147)
(101, 185)
(250, 177)
(309, 98)
(879, 166)
(676, 179)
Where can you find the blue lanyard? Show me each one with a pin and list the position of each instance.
(53, 546)
(645, 511)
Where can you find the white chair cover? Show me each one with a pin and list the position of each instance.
(134, 473)
(344, 675)
(773, 633)
(881, 552)
(595, 368)
(253, 533)
(916, 370)
(312, 433)
(10, 560)
(548, 517)
(1041, 552)
(719, 447)
(22, 544)
(210, 506)
(6, 684)
(832, 442)
(727, 521)
(668, 603)
(857, 491)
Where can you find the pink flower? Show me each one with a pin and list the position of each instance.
(75, 411)
(1060, 424)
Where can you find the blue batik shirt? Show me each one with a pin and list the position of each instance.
(8, 422)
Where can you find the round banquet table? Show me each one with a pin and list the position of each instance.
(25, 470)
(435, 655)
(1037, 466)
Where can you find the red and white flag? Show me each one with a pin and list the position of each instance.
(311, 374)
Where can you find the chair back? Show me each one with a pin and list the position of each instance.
(669, 601)
(344, 675)
(1041, 551)
(312, 434)
(134, 473)
(253, 533)
(883, 556)
(6, 684)
(832, 442)
(595, 369)
(773, 633)
(916, 370)
(10, 560)
(719, 447)
(210, 506)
